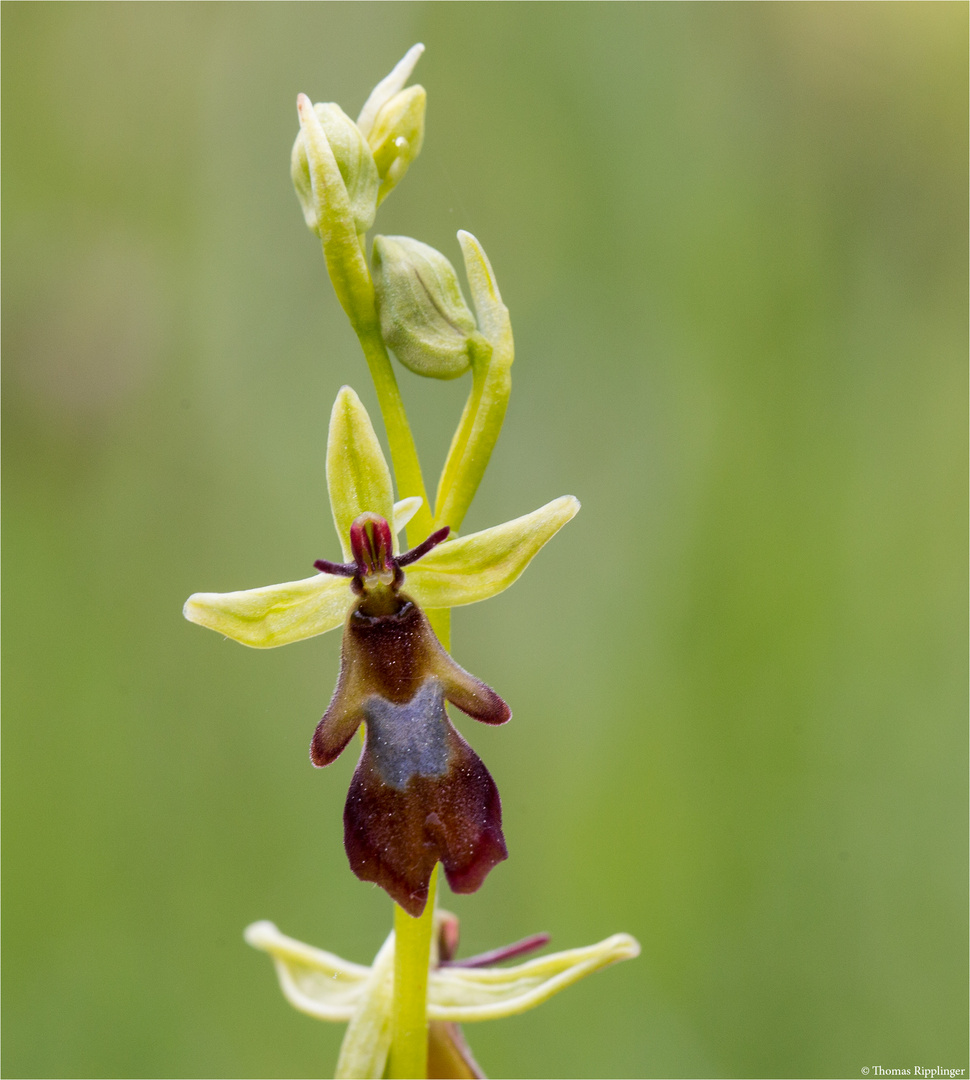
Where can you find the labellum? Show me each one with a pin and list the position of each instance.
(420, 795)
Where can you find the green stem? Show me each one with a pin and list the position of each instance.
(404, 454)
(350, 276)
(408, 1058)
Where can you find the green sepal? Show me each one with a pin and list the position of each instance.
(313, 980)
(275, 614)
(482, 564)
(357, 474)
(367, 1041)
(329, 988)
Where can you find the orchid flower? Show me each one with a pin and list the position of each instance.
(327, 987)
(420, 794)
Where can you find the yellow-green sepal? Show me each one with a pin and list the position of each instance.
(330, 988)
(313, 980)
(275, 614)
(357, 474)
(482, 564)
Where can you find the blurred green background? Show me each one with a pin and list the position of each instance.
(733, 241)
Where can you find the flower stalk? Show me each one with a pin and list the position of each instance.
(409, 1017)
(404, 454)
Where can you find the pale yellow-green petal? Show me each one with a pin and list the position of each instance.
(357, 473)
(482, 564)
(463, 995)
(405, 510)
(312, 980)
(275, 614)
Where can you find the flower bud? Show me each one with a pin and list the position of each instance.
(424, 317)
(397, 136)
(355, 162)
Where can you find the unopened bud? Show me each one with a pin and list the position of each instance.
(424, 317)
(354, 160)
(397, 135)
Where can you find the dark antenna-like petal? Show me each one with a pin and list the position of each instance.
(505, 952)
(336, 568)
(423, 548)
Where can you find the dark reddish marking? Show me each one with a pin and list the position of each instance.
(372, 544)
